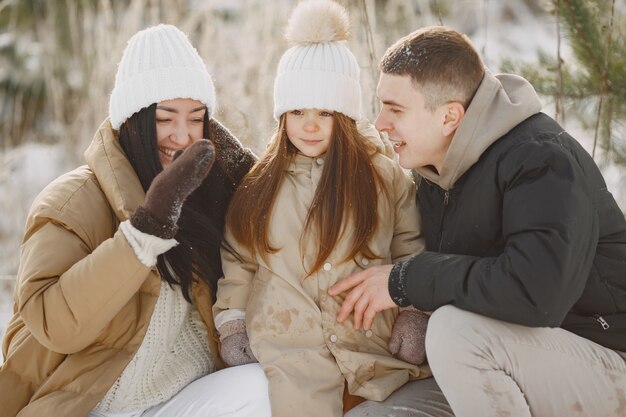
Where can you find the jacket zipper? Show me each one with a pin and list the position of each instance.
(602, 322)
(446, 198)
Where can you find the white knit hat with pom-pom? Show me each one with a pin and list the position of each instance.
(158, 64)
(318, 71)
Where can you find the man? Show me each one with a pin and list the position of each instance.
(525, 261)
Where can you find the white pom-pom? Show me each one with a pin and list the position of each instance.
(318, 21)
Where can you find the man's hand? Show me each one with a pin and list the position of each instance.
(369, 295)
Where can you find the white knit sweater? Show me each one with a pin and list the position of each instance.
(174, 352)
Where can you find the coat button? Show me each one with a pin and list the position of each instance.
(365, 261)
(333, 338)
(327, 266)
(368, 333)
(320, 161)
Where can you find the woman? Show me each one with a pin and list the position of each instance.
(117, 275)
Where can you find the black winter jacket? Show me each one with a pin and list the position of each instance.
(529, 234)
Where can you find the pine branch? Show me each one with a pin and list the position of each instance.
(559, 113)
(584, 27)
(603, 89)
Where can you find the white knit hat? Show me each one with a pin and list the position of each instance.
(319, 71)
(159, 63)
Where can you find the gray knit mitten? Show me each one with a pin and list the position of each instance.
(164, 199)
(235, 344)
(408, 336)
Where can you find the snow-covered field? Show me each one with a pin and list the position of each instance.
(24, 171)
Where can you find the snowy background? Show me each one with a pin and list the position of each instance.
(241, 49)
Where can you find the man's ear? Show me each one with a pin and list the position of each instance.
(452, 118)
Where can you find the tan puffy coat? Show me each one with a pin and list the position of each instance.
(83, 300)
(291, 321)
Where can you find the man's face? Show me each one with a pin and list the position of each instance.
(415, 132)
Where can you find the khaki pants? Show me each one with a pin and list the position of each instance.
(488, 368)
(421, 398)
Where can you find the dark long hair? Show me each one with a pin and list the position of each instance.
(201, 223)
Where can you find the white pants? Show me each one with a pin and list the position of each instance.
(487, 367)
(240, 391)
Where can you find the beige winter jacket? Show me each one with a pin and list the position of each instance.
(83, 300)
(291, 321)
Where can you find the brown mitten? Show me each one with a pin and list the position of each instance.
(408, 336)
(238, 160)
(164, 199)
(235, 344)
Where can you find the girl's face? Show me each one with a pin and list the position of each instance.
(179, 123)
(310, 130)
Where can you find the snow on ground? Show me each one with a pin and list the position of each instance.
(24, 172)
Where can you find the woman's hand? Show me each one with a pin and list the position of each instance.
(160, 211)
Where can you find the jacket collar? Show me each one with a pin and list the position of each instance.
(500, 103)
(114, 173)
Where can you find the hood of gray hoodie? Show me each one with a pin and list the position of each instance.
(500, 103)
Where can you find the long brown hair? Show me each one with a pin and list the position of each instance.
(347, 191)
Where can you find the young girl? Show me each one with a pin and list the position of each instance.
(322, 202)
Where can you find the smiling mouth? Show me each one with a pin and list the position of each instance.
(167, 152)
(397, 144)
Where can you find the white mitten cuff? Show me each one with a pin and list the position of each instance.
(147, 247)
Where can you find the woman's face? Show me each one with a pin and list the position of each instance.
(179, 123)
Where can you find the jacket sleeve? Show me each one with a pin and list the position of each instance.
(233, 290)
(407, 238)
(69, 286)
(550, 230)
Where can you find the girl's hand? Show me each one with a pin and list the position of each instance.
(235, 343)
(408, 336)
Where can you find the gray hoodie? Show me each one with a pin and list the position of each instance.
(500, 103)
